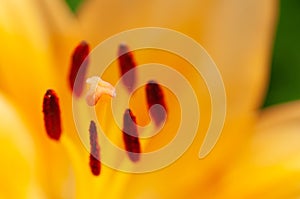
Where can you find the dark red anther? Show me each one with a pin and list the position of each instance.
(126, 63)
(156, 102)
(95, 163)
(79, 64)
(51, 112)
(130, 136)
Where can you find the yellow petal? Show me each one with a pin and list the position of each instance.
(237, 34)
(37, 39)
(40, 37)
(36, 166)
(18, 156)
(269, 166)
(189, 175)
(228, 32)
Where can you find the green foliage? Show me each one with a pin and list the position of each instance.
(285, 75)
(74, 4)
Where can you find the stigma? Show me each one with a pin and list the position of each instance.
(97, 88)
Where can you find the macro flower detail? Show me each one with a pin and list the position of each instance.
(130, 136)
(51, 112)
(79, 62)
(95, 163)
(97, 88)
(127, 63)
(155, 96)
(257, 155)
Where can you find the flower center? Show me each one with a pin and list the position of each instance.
(97, 87)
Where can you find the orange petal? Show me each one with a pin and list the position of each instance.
(237, 34)
(270, 164)
(239, 37)
(37, 40)
(18, 156)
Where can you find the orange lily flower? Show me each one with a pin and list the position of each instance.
(256, 155)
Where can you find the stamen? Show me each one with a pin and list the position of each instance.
(130, 136)
(79, 61)
(126, 63)
(98, 87)
(155, 96)
(95, 163)
(51, 110)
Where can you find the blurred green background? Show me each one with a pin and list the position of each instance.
(74, 4)
(285, 81)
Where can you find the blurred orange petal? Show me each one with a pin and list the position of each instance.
(269, 166)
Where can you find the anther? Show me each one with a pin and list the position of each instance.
(130, 136)
(79, 64)
(126, 63)
(95, 163)
(51, 110)
(97, 88)
(155, 97)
